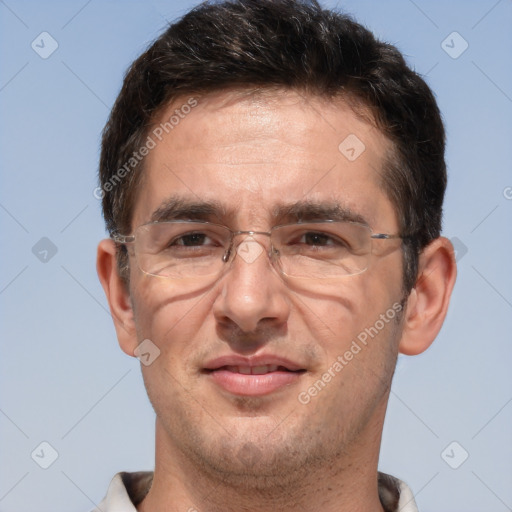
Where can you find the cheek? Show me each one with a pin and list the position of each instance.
(182, 327)
(165, 317)
(351, 307)
(351, 326)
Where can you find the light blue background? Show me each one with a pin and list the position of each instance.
(63, 378)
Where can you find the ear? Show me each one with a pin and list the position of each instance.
(118, 296)
(428, 301)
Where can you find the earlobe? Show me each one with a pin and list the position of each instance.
(427, 304)
(118, 296)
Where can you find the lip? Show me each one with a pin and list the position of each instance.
(220, 370)
(252, 361)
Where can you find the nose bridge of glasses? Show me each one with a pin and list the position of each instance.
(250, 234)
(248, 247)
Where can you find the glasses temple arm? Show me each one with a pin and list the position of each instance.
(122, 239)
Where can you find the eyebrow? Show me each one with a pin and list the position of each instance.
(308, 210)
(180, 208)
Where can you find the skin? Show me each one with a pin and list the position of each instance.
(216, 451)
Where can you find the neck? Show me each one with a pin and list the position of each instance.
(347, 483)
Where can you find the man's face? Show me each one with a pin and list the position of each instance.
(253, 154)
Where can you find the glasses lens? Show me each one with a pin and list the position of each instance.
(322, 249)
(315, 250)
(181, 249)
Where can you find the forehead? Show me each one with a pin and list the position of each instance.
(251, 153)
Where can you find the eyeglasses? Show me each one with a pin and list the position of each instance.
(309, 250)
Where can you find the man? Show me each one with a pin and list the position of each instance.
(272, 180)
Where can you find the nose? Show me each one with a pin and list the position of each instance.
(251, 293)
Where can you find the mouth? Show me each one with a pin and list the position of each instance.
(256, 370)
(252, 377)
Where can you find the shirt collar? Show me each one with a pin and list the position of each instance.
(127, 490)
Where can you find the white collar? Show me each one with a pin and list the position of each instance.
(126, 487)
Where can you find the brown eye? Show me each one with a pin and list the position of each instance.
(193, 239)
(316, 238)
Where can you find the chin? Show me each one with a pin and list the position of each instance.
(256, 459)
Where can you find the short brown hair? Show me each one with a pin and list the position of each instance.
(292, 44)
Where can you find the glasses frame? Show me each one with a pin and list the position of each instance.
(273, 254)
